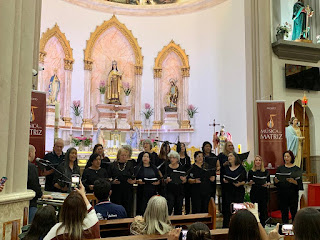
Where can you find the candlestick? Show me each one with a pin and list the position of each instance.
(140, 132)
(239, 148)
(71, 129)
(92, 130)
(56, 120)
(82, 130)
(157, 132)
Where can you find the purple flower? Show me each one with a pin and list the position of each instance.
(147, 106)
(102, 84)
(126, 85)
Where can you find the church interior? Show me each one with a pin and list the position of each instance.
(117, 72)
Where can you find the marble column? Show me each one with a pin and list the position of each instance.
(185, 123)
(68, 66)
(137, 96)
(40, 81)
(17, 29)
(87, 120)
(157, 73)
(259, 65)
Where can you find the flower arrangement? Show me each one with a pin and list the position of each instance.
(126, 88)
(191, 110)
(283, 29)
(102, 87)
(77, 110)
(149, 111)
(78, 140)
(87, 141)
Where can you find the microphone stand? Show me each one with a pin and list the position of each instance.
(270, 219)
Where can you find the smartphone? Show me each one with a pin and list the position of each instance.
(286, 229)
(3, 180)
(237, 206)
(75, 181)
(184, 234)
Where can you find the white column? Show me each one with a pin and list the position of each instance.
(87, 89)
(40, 86)
(185, 96)
(137, 96)
(17, 28)
(67, 98)
(157, 73)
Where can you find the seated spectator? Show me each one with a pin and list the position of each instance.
(306, 225)
(78, 219)
(44, 219)
(93, 173)
(33, 183)
(155, 219)
(56, 157)
(196, 231)
(106, 209)
(1, 187)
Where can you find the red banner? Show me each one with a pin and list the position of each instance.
(38, 122)
(271, 130)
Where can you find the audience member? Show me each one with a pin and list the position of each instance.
(1, 187)
(155, 219)
(33, 183)
(62, 177)
(196, 231)
(105, 161)
(91, 174)
(104, 208)
(78, 219)
(306, 225)
(44, 219)
(56, 157)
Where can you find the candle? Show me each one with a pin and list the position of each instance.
(239, 148)
(92, 130)
(148, 132)
(82, 130)
(140, 132)
(71, 129)
(56, 119)
(157, 132)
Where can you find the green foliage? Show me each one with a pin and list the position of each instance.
(76, 142)
(247, 197)
(248, 166)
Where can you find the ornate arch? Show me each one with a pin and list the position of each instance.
(56, 32)
(171, 47)
(113, 22)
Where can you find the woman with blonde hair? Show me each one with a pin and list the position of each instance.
(155, 219)
(259, 180)
(122, 174)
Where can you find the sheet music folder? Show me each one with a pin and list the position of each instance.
(259, 180)
(175, 176)
(282, 177)
(231, 179)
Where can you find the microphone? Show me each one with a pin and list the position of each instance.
(39, 160)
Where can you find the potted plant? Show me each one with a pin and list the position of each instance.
(147, 113)
(86, 143)
(127, 90)
(76, 142)
(102, 89)
(283, 30)
(77, 110)
(191, 110)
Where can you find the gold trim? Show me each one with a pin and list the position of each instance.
(67, 121)
(87, 123)
(88, 65)
(137, 124)
(156, 125)
(185, 124)
(55, 32)
(138, 70)
(171, 47)
(113, 22)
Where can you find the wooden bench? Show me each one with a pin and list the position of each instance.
(121, 227)
(216, 234)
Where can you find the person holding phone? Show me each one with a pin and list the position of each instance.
(235, 177)
(122, 174)
(2, 182)
(62, 177)
(201, 177)
(259, 180)
(288, 180)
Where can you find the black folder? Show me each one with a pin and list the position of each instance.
(282, 177)
(259, 180)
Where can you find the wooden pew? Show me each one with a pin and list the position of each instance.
(121, 227)
(216, 234)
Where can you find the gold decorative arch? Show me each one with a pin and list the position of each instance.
(172, 47)
(113, 22)
(56, 32)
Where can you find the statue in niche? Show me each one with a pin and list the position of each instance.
(54, 89)
(300, 17)
(113, 85)
(172, 97)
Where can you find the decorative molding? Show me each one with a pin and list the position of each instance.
(185, 124)
(172, 47)
(87, 123)
(67, 121)
(157, 72)
(185, 72)
(182, 7)
(297, 51)
(113, 22)
(88, 65)
(156, 125)
(16, 197)
(55, 32)
(137, 124)
(138, 70)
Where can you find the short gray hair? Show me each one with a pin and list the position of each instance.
(174, 154)
(58, 140)
(149, 142)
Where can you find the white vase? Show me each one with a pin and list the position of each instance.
(77, 121)
(86, 148)
(147, 123)
(192, 122)
(127, 99)
(101, 98)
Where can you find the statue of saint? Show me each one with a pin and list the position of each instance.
(54, 88)
(220, 140)
(300, 20)
(172, 97)
(113, 85)
(294, 140)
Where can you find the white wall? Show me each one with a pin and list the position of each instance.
(213, 39)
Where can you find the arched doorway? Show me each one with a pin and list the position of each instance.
(298, 111)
